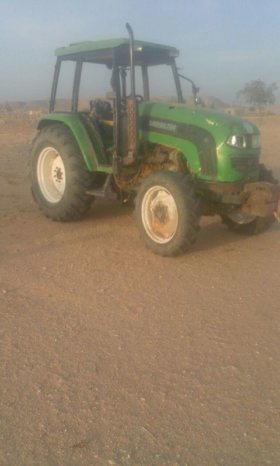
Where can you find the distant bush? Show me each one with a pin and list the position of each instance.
(258, 94)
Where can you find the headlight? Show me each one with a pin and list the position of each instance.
(245, 141)
(256, 141)
(237, 141)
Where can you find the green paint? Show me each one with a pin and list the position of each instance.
(199, 134)
(166, 127)
(91, 153)
(101, 49)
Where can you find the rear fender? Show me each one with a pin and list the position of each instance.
(90, 151)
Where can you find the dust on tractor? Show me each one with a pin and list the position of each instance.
(176, 162)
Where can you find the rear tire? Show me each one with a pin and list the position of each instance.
(58, 175)
(167, 213)
(258, 224)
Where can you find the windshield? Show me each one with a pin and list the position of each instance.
(161, 83)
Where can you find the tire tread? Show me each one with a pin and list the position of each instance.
(75, 202)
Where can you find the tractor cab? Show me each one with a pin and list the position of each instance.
(112, 122)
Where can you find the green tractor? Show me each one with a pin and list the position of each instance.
(176, 162)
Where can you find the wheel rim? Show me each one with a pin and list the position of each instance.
(51, 175)
(159, 214)
(241, 217)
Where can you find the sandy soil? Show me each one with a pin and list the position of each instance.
(110, 355)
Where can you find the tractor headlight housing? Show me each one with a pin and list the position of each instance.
(244, 141)
(237, 141)
(256, 141)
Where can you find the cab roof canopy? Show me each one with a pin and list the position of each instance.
(116, 51)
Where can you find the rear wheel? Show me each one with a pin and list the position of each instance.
(246, 224)
(59, 177)
(167, 213)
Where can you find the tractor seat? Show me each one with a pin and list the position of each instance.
(101, 110)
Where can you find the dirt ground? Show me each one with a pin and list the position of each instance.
(110, 355)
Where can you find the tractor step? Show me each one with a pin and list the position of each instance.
(105, 191)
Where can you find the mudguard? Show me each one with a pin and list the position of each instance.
(92, 154)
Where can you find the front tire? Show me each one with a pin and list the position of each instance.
(247, 224)
(167, 213)
(58, 175)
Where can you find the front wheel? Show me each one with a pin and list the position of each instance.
(167, 213)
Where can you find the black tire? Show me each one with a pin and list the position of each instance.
(167, 213)
(258, 224)
(58, 175)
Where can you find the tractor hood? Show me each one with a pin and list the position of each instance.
(173, 119)
(212, 143)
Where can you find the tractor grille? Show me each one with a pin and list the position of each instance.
(252, 141)
(245, 164)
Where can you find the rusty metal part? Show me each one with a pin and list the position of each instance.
(154, 159)
(263, 199)
(166, 157)
(148, 168)
(159, 214)
(221, 188)
(129, 179)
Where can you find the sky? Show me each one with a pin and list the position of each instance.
(223, 43)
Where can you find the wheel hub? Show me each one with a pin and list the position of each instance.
(58, 175)
(51, 174)
(159, 214)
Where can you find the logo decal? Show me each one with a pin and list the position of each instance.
(163, 125)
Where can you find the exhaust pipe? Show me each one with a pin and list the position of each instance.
(131, 57)
(132, 107)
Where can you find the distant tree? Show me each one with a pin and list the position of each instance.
(258, 94)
